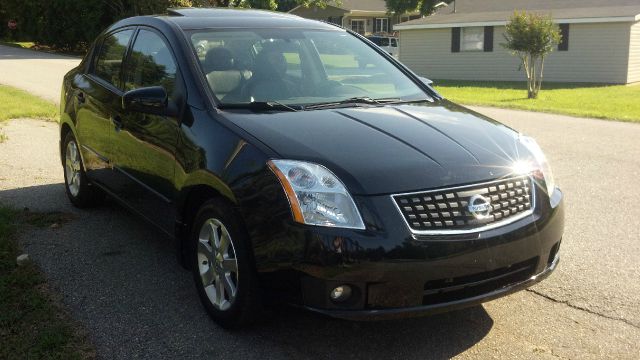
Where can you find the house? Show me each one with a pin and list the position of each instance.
(362, 16)
(600, 41)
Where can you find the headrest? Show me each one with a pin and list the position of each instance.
(218, 59)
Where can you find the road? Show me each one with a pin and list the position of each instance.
(119, 277)
(37, 72)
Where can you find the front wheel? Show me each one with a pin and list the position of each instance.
(78, 188)
(222, 266)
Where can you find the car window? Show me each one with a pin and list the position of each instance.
(297, 67)
(384, 42)
(375, 40)
(108, 63)
(394, 43)
(293, 63)
(150, 63)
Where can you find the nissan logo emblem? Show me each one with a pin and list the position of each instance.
(479, 206)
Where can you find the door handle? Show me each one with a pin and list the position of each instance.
(80, 97)
(117, 122)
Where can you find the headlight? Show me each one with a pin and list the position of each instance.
(542, 169)
(316, 195)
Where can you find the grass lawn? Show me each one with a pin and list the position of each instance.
(32, 324)
(15, 103)
(38, 47)
(18, 44)
(614, 102)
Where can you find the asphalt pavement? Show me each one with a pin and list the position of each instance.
(119, 277)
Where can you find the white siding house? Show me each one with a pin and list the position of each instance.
(634, 54)
(599, 46)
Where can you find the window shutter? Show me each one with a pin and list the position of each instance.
(564, 43)
(455, 39)
(488, 38)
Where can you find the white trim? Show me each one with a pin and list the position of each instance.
(504, 22)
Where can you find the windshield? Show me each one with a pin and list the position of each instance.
(296, 67)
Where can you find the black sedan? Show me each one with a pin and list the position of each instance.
(295, 161)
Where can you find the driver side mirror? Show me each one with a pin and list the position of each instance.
(148, 100)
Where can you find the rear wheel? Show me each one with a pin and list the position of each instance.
(78, 188)
(222, 266)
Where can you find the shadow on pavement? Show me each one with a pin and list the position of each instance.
(120, 279)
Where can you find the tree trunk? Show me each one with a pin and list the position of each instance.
(540, 76)
(532, 79)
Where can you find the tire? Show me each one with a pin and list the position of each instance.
(233, 269)
(80, 191)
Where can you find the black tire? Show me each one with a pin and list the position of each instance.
(82, 194)
(245, 307)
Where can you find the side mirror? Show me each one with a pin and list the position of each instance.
(426, 81)
(149, 100)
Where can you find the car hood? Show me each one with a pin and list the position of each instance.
(394, 148)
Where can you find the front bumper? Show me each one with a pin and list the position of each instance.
(416, 311)
(395, 273)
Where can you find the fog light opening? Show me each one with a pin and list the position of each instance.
(340, 293)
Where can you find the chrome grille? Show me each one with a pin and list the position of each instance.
(447, 210)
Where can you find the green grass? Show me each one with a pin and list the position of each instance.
(15, 103)
(612, 102)
(18, 44)
(32, 324)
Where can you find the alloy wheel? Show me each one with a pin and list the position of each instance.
(72, 168)
(217, 264)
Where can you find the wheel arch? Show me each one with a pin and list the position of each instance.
(65, 129)
(189, 200)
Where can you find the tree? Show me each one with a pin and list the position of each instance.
(73, 24)
(531, 37)
(425, 7)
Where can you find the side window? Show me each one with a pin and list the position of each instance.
(384, 42)
(150, 63)
(394, 43)
(109, 59)
(294, 63)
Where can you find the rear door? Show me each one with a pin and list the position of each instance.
(144, 145)
(97, 97)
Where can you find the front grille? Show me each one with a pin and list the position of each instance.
(444, 210)
(463, 287)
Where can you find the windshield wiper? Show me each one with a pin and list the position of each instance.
(259, 106)
(349, 101)
(359, 100)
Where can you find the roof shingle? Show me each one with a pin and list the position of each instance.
(471, 11)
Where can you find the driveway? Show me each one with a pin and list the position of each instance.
(119, 277)
(37, 72)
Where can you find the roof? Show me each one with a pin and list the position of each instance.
(363, 5)
(195, 18)
(225, 12)
(498, 12)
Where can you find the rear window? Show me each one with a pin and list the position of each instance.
(380, 41)
(108, 63)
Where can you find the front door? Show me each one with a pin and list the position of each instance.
(144, 145)
(97, 100)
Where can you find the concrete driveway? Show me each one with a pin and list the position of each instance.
(119, 278)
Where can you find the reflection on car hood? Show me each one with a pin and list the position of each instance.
(391, 149)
